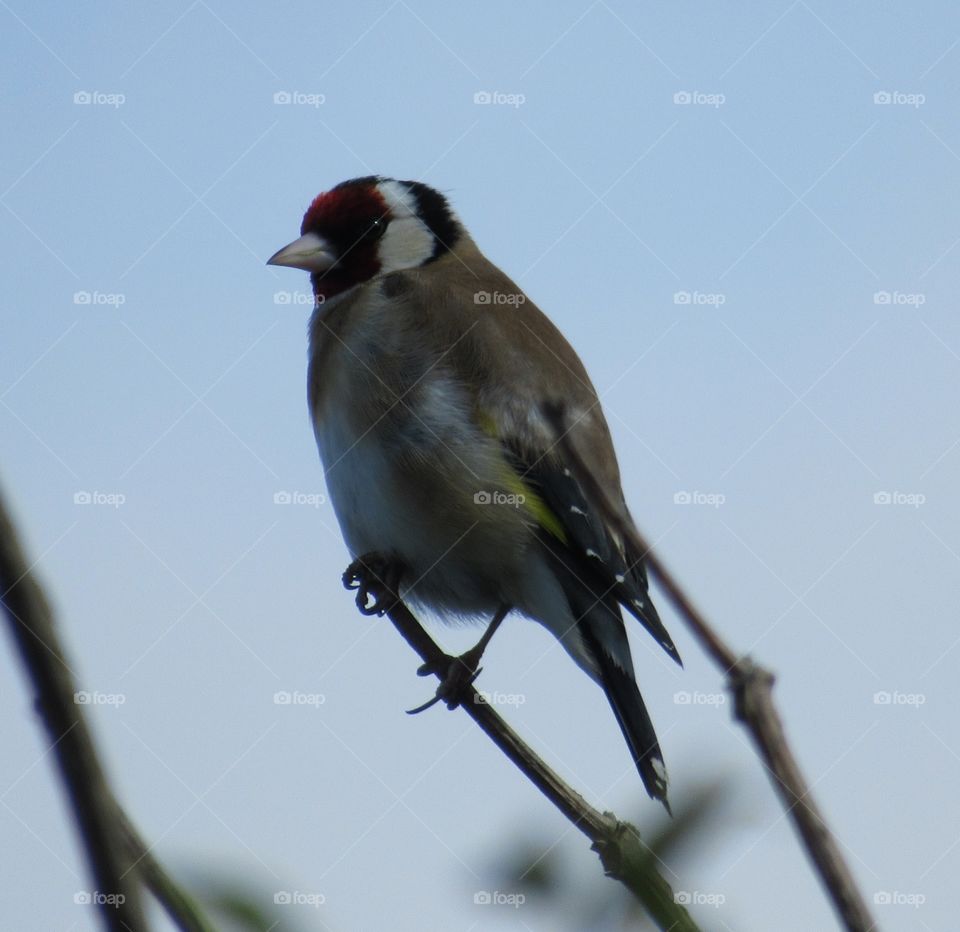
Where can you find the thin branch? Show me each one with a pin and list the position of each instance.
(622, 853)
(182, 908)
(119, 859)
(752, 689)
(95, 809)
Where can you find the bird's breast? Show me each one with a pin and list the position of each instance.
(409, 473)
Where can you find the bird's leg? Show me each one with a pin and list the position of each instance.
(376, 576)
(457, 673)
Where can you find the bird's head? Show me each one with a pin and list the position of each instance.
(368, 227)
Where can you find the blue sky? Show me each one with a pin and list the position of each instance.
(743, 216)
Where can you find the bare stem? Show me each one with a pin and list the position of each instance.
(752, 688)
(622, 853)
(119, 859)
(94, 807)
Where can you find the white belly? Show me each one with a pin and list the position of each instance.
(460, 557)
(357, 473)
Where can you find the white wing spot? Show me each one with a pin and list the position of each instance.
(639, 603)
(595, 555)
(567, 472)
(620, 578)
(659, 769)
(577, 511)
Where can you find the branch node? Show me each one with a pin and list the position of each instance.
(611, 846)
(752, 687)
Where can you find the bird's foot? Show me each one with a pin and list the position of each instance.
(374, 576)
(456, 676)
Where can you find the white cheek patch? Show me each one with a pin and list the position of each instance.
(406, 244)
(400, 199)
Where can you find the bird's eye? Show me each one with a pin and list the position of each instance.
(377, 228)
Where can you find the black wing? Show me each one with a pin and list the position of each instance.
(592, 549)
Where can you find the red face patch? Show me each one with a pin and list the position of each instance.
(346, 217)
(343, 206)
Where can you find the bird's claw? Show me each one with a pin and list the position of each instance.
(456, 676)
(374, 577)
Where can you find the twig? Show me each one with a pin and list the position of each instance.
(31, 623)
(752, 688)
(119, 859)
(622, 853)
(182, 908)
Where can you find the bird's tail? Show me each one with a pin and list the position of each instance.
(628, 706)
(598, 641)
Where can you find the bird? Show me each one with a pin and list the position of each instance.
(429, 370)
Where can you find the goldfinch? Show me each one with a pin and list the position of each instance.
(428, 370)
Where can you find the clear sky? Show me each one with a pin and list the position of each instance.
(743, 216)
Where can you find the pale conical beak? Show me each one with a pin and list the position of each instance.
(311, 253)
